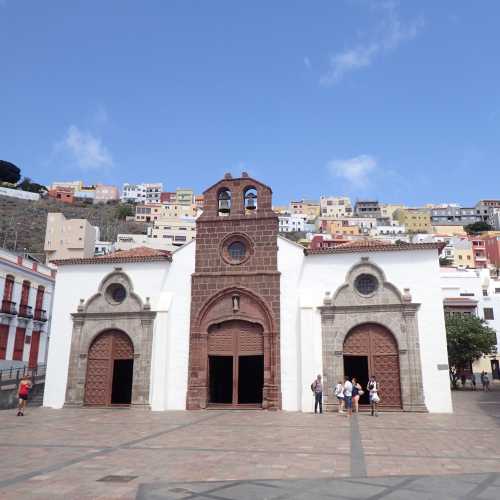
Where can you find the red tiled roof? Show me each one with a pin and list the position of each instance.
(139, 254)
(374, 246)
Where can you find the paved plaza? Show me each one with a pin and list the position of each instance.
(127, 454)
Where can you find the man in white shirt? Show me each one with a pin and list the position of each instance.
(348, 396)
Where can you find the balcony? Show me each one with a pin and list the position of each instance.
(40, 315)
(8, 307)
(25, 311)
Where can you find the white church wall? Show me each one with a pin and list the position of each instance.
(417, 270)
(75, 282)
(178, 283)
(290, 263)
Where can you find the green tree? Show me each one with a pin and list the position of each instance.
(477, 227)
(468, 338)
(33, 187)
(123, 211)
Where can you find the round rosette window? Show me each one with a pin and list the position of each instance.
(236, 249)
(116, 293)
(366, 284)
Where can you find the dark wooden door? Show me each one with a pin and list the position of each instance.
(106, 348)
(34, 348)
(380, 347)
(235, 338)
(19, 344)
(4, 337)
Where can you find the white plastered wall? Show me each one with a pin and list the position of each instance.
(417, 270)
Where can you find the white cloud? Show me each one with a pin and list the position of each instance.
(356, 171)
(389, 33)
(85, 149)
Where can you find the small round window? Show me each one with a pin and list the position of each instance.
(237, 250)
(366, 284)
(116, 292)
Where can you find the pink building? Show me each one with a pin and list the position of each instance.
(479, 252)
(104, 193)
(492, 245)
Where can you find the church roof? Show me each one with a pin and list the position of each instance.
(139, 254)
(369, 245)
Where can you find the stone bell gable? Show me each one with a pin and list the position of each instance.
(236, 249)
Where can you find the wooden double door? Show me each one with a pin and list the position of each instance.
(236, 364)
(371, 349)
(110, 366)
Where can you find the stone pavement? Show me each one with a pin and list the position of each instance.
(127, 454)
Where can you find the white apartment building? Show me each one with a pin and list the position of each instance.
(68, 238)
(131, 241)
(393, 229)
(473, 291)
(335, 206)
(365, 224)
(142, 193)
(103, 247)
(175, 230)
(292, 223)
(27, 289)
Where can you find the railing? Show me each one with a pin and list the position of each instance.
(8, 307)
(25, 311)
(40, 315)
(16, 373)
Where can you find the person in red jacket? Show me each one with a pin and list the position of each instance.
(22, 393)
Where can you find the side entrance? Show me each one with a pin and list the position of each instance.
(235, 363)
(110, 369)
(371, 349)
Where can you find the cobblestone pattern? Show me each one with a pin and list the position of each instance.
(62, 454)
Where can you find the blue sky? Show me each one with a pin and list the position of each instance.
(398, 101)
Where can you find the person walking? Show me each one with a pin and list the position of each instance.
(357, 392)
(373, 393)
(348, 396)
(486, 382)
(339, 393)
(483, 373)
(317, 388)
(473, 381)
(22, 394)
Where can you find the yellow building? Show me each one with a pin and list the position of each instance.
(463, 254)
(415, 220)
(311, 209)
(387, 210)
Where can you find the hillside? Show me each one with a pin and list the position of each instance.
(23, 223)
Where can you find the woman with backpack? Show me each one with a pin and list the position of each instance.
(357, 392)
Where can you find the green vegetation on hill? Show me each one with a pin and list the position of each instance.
(23, 223)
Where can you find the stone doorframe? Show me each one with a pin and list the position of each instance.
(387, 307)
(235, 303)
(100, 313)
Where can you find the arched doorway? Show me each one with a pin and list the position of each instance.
(371, 349)
(236, 363)
(110, 367)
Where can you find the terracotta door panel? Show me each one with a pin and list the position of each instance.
(380, 347)
(106, 348)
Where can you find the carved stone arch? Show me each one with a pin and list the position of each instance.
(252, 308)
(385, 306)
(386, 292)
(234, 307)
(101, 313)
(117, 277)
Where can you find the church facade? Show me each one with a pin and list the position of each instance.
(243, 318)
